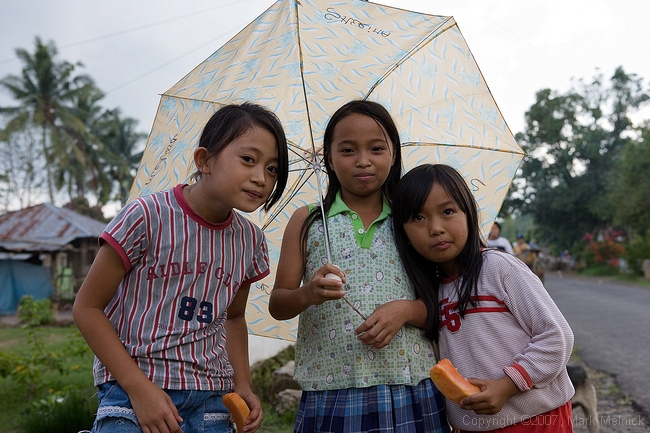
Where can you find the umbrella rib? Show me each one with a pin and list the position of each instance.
(425, 41)
(466, 146)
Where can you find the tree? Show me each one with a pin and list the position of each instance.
(44, 90)
(631, 185)
(121, 157)
(81, 168)
(21, 174)
(573, 143)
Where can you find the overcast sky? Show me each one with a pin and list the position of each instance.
(137, 49)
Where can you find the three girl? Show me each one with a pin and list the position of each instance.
(361, 360)
(171, 279)
(489, 314)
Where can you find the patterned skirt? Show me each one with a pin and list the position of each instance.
(377, 409)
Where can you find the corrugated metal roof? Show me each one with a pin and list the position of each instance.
(45, 227)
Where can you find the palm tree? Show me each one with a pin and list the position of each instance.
(44, 90)
(121, 158)
(81, 167)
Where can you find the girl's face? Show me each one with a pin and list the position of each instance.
(241, 176)
(361, 155)
(439, 232)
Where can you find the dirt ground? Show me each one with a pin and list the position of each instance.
(616, 412)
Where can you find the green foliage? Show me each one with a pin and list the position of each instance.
(33, 312)
(631, 185)
(573, 143)
(30, 368)
(276, 423)
(39, 365)
(636, 251)
(60, 412)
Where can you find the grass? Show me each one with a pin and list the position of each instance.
(615, 276)
(19, 400)
(635, 279)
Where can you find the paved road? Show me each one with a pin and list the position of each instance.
(611, 324)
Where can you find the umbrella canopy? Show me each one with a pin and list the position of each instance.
(303, 59)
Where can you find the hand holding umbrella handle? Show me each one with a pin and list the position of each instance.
(334, 276)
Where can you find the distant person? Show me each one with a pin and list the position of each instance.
(523, 251)
(495, 240)
(163, 305)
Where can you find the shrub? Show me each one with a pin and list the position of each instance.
(636, 251)
(60, 413)
(35, 313)
(603, 254)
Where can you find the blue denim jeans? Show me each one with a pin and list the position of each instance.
(202, 411)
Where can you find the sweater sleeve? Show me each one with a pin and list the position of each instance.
(551, 338)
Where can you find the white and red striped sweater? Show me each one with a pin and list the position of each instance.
(514, 329)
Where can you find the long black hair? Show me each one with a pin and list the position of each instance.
(383, 118)
(230, 122)
(410, 195)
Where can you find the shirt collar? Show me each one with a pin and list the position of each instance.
(339, 206)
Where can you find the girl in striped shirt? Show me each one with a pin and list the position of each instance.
(491, 316)
(171, 280)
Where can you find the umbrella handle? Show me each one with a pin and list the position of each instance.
(317, 171)
(355, 309)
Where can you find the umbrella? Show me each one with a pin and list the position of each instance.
(303, 59)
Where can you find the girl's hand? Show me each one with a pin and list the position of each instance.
(154, 408)
(323, 287)
(382, 325)
(493, 396)
(254, 420)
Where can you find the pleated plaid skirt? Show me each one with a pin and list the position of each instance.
(377, 409)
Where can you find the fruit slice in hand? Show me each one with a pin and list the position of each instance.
(237, 408)
(450, 383)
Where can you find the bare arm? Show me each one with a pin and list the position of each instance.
(237, 348)
(381, 326)
(289, 298)
(152, 406)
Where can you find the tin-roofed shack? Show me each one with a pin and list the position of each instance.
(58, 239)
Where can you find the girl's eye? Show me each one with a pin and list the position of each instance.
(248, 159)
(379, 149)
(448, 212)
(273, 169)
(418, 218)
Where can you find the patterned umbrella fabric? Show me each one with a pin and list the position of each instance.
(303, 59)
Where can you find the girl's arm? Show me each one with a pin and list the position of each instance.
(551, 341)
(237, 349)
(153, 407)
(387, 319)
(289, 298)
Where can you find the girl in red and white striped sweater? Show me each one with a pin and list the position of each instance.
(489, 314)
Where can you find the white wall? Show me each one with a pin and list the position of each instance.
(261, 348)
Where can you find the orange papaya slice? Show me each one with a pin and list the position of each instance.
(450, 383)
(237, 408)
